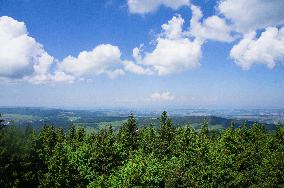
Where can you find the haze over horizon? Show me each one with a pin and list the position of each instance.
(142, 54)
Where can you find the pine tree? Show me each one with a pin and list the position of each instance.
(71, 134)
(148, 139)
(105, 156)
(205, 128)
(166, 133)
(128, 134)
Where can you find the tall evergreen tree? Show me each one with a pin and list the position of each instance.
(167, 132)
(128, 134)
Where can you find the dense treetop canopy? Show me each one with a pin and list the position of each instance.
(167, 156)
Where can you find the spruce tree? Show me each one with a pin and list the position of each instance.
(128, 134)
(166, 133)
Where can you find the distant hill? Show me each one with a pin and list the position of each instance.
(37, 117)
(197, 121)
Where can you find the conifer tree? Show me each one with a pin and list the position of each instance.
(128, 134)
(166, 133)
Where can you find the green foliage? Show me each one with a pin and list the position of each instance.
(148, 140)
(128, 135)
(166, 134)
(140, 170)
(17, 167)
(168, 156)
(1, 122)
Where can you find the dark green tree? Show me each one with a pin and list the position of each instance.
(128, 135)
(148, 139)
(166, 134)
(1, 121)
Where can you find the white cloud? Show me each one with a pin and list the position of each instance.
(162, 96)
(249, 15)
(101, 59)
(62, 77)
(213, 27)
(174, 52)
(173, 29)
(136, 54)
(20, 54)
(22, 58)
(115, 73)
(147, 6)
(11, 28)
(136, 69)
(268, 49)
(172, 56)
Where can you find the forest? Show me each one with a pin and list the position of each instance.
(150, 156)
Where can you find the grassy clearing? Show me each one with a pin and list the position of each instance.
(20, 117)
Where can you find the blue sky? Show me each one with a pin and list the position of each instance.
(223, 58)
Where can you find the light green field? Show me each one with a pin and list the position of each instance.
(114, 124)
(216, 127)
(90, 127)
(20, 117)
(197, 126)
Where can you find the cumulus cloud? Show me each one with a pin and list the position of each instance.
(162, 96)
(174, 52)
(173, 29)
(62, 77)
(268, 49)
(147, 6)
(136, 69)
(213, 27)
(100, 60)
(172, 56)
(250, 15)
(22, 58)
(115, 73)
(20, 54)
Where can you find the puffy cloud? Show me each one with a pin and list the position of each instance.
(173, 29)
(22, 58)
(136, 69)
(101, 59)
(249, 15)
(115, 73)
(11, 28)
(147, 6)
(171, 56)
(213, 27)
(268, 49)
(62, 77)
(41, 70)
(162, 96)
(174, 52)
(20, 54)
(136, 54)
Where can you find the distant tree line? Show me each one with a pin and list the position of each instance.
(1, 121)
(167, 156)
